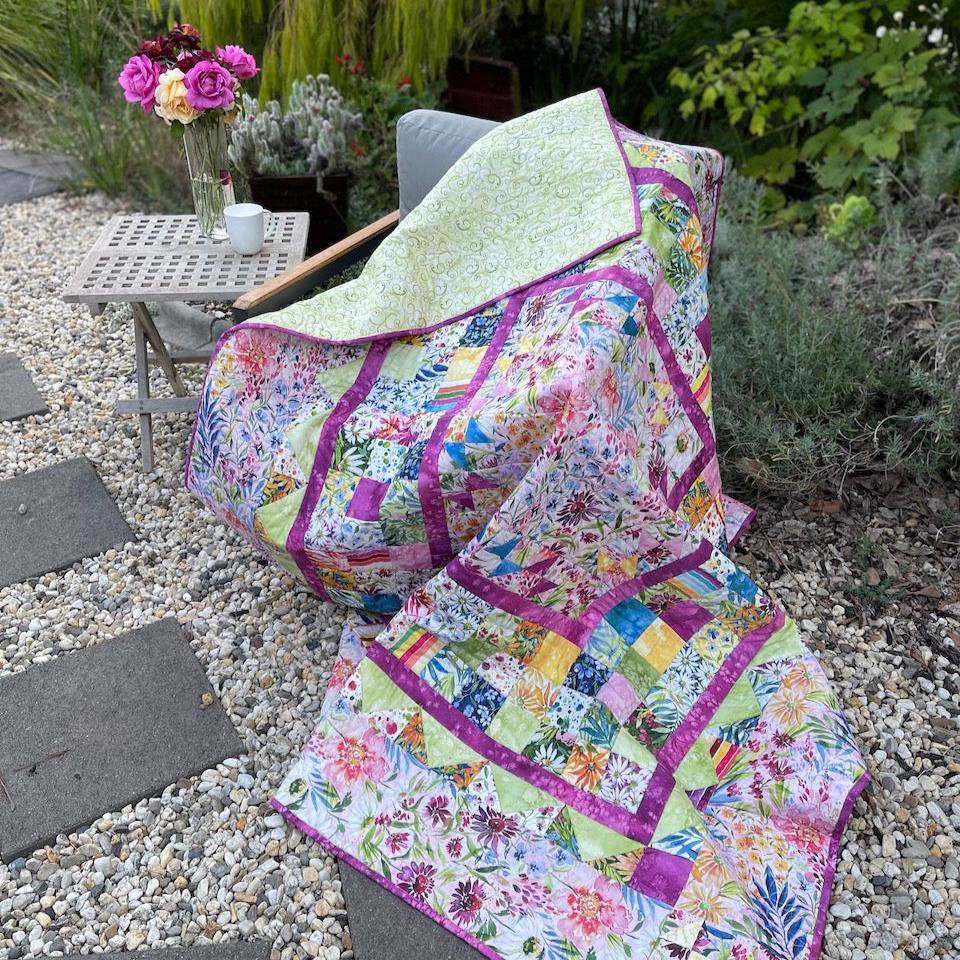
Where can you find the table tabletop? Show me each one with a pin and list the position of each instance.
(145, 258)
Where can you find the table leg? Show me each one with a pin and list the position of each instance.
(143, 392)
(143, 319)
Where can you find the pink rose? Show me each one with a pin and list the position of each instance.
(208, 85)
(239, 61)
(139, 81)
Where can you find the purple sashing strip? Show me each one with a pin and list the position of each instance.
(369, 371)
(646, 175)
(606, 602)
(513, 603)
(428, 482)
(816, 941)
(661, 875)
(590, 805)
(414, 902)
(695, 722)
(686, 618)
(655, 798)
(694, 411)
(367, 497)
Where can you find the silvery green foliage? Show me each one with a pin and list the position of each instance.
(310, 136)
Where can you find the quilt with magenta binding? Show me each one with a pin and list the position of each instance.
(563, 722)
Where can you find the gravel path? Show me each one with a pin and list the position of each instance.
(209, 861)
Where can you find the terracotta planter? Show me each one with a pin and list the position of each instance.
(328, 210)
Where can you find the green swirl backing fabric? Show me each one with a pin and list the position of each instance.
(562, 722)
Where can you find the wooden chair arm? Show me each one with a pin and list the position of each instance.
(292, 284)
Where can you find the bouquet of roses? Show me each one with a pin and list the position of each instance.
(180, 81)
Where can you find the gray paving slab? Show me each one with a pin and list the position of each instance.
(18, 396)
(51, 518)
(234, 950)
(95, 730)
(16, 186)
(52, 166)
(384, 927)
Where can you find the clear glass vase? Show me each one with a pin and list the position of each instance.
(205, 146)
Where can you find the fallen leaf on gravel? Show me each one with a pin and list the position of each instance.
(206, 699)
(826, 506)
(872, 577)
(932, 591)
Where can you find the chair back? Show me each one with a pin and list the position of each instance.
(429, 142)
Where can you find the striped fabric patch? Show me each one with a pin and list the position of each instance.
(415, 648)
(447, 396)
(723, 754)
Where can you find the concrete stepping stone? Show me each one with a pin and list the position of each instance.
(383, 927)
(16, 186)
(51, 518)
(25, 175)
(18, 396)
(92, 731)
(232, 950)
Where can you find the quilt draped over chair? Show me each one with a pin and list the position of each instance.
(562, 722)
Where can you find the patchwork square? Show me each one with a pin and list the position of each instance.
(513, 726)
(638, 672)
(478, 700)
(658, 644)
(630, 618)
(619, 697)
(624, 782)
(535, 692)
(567, 710)
(587, 675)
(585, 767)
(606, 645)
(416, 647)
(599, 726)
(555, 656)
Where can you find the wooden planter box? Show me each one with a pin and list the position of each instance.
(328, 210)
(482, 87)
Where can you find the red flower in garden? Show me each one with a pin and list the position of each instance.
(357, 147)
(357, 68)
(467, 900)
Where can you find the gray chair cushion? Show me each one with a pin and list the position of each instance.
(429, 142)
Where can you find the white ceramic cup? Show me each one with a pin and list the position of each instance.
(247, 227)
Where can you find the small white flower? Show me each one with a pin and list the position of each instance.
(935, 35)
(881, 30)
(898, 16)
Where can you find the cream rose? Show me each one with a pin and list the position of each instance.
(171, 97)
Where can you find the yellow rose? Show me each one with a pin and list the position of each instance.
(171, 97)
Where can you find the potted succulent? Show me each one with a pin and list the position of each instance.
(296, 158)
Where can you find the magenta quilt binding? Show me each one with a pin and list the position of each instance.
(833, 855)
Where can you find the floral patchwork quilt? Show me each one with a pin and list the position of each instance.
(563, 722)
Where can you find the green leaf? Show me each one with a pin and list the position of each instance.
(777, 165)
(813, 78)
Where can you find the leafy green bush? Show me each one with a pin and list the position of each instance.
(845, 86)
(375, 190)
(827, 360)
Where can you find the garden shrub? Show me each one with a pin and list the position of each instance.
(816, 105)
(825, 363)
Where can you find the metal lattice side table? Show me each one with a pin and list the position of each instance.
(137, 259)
